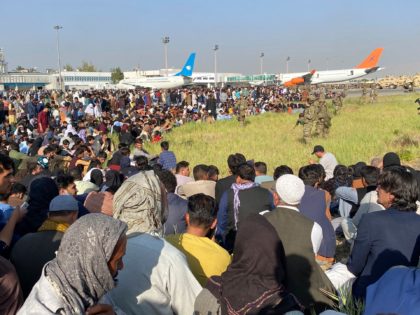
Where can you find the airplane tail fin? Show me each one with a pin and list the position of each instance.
(372, 60)
(188, 68)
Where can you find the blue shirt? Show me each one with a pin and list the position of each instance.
(175, 224)
(168, 160)
(6, 211)
(263, 178)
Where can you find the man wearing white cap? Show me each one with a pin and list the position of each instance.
(301, 239)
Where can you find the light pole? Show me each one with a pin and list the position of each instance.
(215, 49)
(261, 62)
(287, 64)
(165, 41)
(60, 79)
(309, 64)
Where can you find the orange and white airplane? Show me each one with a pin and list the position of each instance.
(368, 66)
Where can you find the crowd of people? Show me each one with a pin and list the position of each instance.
(91, 223)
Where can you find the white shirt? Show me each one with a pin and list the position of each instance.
(155, 279)
(329, 162)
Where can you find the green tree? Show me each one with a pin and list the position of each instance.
(116, 75)
(87, 67)
(20, 68)
(68, 67)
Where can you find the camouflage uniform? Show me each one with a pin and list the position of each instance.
(337, 101)
(364, 96)
(309, 118)
(242, 106)
(323, 122)
(373, 94)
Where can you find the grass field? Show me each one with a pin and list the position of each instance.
(358, 133)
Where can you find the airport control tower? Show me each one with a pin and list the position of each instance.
(3, 63)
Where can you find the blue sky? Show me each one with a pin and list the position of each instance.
(127, 33)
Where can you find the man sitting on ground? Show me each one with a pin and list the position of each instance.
(242, 199)
(182, 173)
(33, 250)
(326, 159)
(167, 158)
(350, 198)
(156, 278)
(301, 238)
(261, 173)
(368, 204)
(205, 257)
(177, 206)
(201, 183)
(233, 161)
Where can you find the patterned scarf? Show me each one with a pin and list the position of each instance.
(236, 202)
(80, 271)
(139, 202)
(50, 225)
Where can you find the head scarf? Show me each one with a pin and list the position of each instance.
(41, 191)
(253, 283)
(139, 203)
(97, 177)
(80, 271)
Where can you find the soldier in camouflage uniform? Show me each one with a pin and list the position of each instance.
(337, 102)
(373, 94)
(242, 106)
(323, 121)
(364, 96)
(309, 118)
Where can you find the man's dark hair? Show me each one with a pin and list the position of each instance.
(102, 154)
(6, 163)
(125, 151)
(90, 138)
(66, 142)
(200, 172)
(261, 167)
(370, 174)
(122, 145)
(168, 180)
(213, 171)
(142, 163)
(246, 172)
(76, 173)
(14, 146)
(234, 161)
(164, 145)
(403, 185)
(80, 150)
(138, 140)
(63, 181)
(202, 210)
(357, 169)
(282, 170)
(310, 174)
(181, 164)
(18, 188)
(48, 149)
